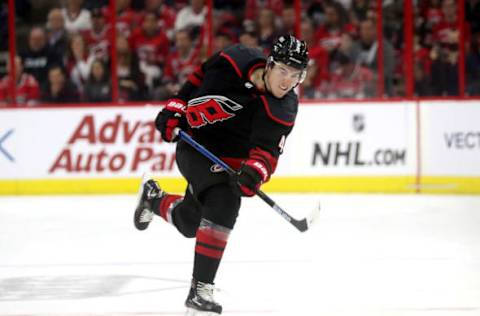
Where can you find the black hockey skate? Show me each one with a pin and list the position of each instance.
(200, 300)
(149, 191)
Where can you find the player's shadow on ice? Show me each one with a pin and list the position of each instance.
(30, 288)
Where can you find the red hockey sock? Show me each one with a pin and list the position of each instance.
(209, 248)
(166, 206)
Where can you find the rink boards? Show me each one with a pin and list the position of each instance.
(430, 146)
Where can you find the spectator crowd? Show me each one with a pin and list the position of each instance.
(66, 58)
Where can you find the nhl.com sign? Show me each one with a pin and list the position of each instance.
(355, 139)
(348, 152)
(114, 145)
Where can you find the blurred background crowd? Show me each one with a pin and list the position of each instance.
(64, 47)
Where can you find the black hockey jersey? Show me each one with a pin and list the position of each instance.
(228, 115)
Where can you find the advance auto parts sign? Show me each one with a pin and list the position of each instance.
(357, 139)
(84, 142)
(113, 144)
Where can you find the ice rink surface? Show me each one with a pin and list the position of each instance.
(372, 255)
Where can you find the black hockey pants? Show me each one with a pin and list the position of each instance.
(210, 194)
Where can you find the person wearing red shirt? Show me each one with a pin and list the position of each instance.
(27, 88)
(432, 13)
(149, 42)
(421, 56)
(317, 69)
(330, 33)
(446, 32)
(97, 38)
(166, 16)
(127, 19)
(180, 63)
(445, 51)
(349, 80)
(183, 60)
(152, 47)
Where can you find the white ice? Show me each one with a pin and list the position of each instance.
(372, 255)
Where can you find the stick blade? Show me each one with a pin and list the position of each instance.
(308, 221)
(312, 218)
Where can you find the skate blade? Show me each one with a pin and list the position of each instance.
(194, 312)
(145, 178)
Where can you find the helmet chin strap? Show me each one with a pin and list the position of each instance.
(267, 86)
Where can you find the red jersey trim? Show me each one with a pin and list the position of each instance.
(255, 67)
(194, 80)
(235, 163)
(276, 119)
(234, 64)
(199, 71)
(266, 157)
(196, 76)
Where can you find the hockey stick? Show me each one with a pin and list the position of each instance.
(302, 225)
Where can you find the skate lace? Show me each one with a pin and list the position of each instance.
(205, 291)
(154, 192)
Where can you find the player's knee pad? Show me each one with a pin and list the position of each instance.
(187, 216)
(221, 205)
(189, 232)
(185, 225)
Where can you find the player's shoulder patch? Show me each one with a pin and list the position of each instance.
(283, 111)
(244, 59)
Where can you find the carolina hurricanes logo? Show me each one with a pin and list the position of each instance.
(210, 109)
(216, 168)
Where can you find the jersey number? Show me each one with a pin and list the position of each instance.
(281, 145)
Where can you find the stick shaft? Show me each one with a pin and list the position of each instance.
(301, 225)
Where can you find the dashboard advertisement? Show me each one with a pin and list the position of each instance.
(450, 138)
(352, 139)
(82, 142)
(361, 146)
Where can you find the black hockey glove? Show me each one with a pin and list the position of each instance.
(251, 175)
(170, 117)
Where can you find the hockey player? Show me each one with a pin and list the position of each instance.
(241, 107)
